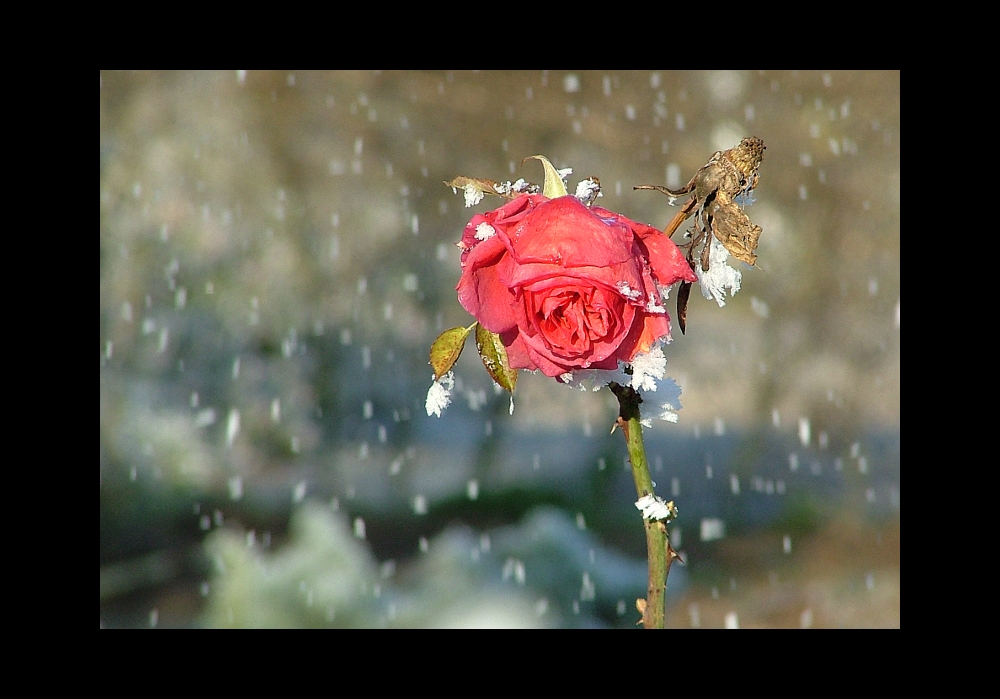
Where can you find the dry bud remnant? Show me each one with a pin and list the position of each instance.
(714, 190)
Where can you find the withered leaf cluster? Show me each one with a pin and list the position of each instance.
(714, 189)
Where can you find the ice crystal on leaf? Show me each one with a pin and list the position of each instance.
(472, 196)
(439, 394)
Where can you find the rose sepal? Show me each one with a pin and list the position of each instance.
(447, 348)
(494, 356)
(553, 187)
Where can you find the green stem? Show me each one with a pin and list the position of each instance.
(657, 545)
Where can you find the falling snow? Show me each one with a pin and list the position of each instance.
(265, 321)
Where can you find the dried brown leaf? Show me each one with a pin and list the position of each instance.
(735, 230)
(483, 186)
(683, 294)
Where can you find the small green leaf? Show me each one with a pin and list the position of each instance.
(553, 186)
(447, 348)
(494, 356)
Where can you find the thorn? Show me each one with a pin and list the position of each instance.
(673, 554)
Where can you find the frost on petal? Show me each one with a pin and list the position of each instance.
(720, 276)
(647, 368)
(567, 378)
(647, 374)
(472, 195)
(658, 304)
(485, 231)
(595, 379)
(628, 292)
(439, 394)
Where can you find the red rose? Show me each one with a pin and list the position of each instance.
(567, 287)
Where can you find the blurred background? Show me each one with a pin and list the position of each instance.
(277, 255)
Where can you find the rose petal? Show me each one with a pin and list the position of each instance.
(481, 292)
(574, 328)
(501, 220)
(665, 259)
(516, 275)
(646, 329)
(565, 232)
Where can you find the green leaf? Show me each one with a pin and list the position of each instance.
(494, 356)
(447, 348)
(553, 186)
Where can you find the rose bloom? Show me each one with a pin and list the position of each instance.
(568, 287)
